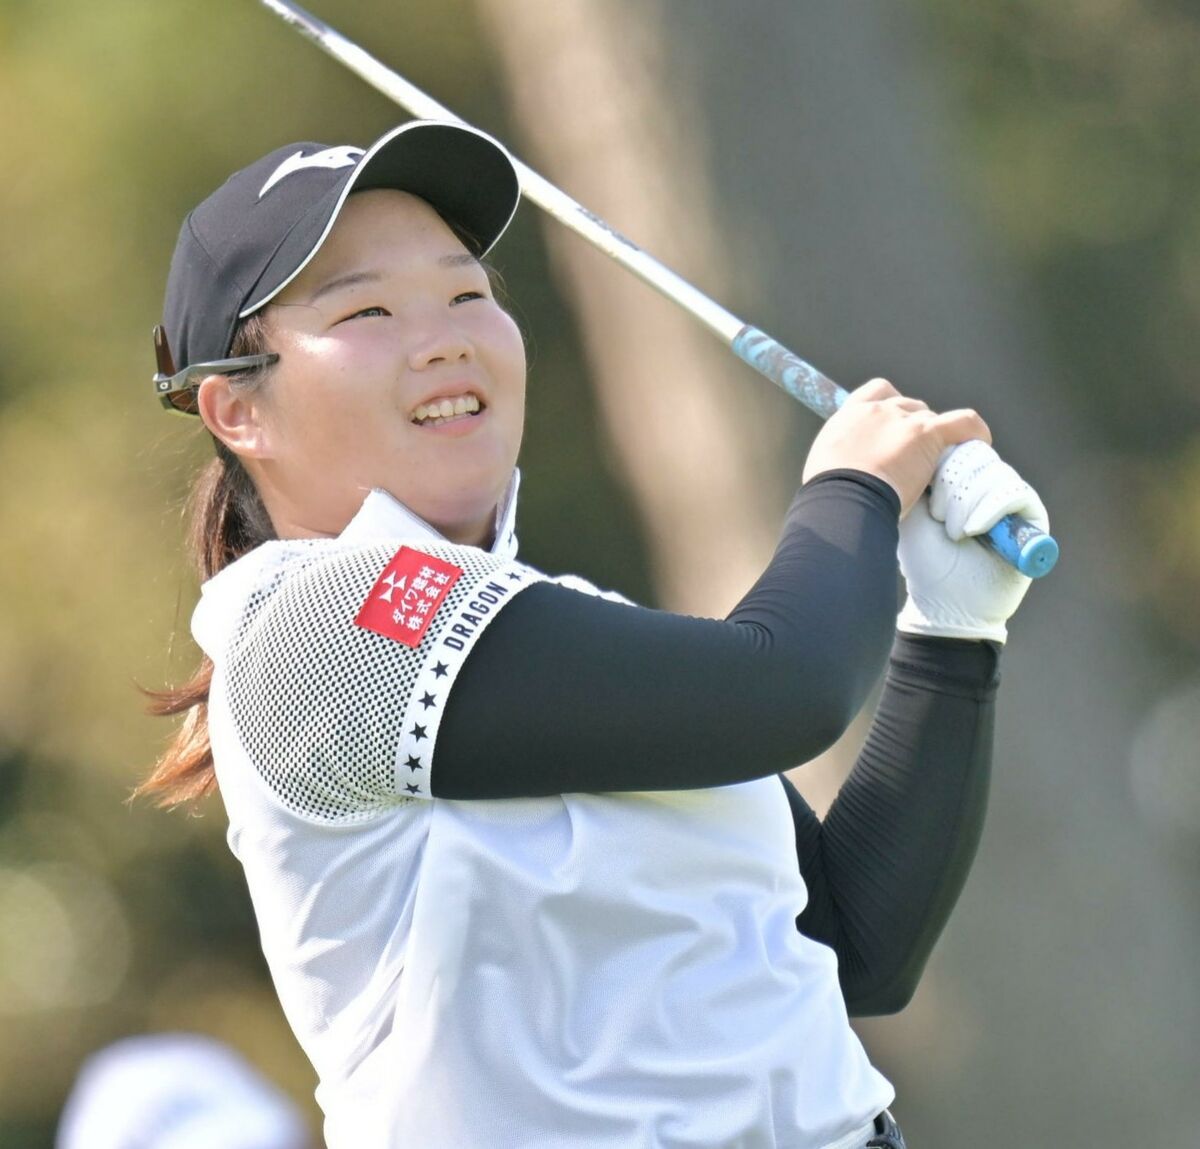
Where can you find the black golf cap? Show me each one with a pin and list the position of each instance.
(249, 239)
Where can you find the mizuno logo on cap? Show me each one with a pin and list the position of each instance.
(343, 156)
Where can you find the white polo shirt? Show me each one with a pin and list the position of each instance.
(610, 970)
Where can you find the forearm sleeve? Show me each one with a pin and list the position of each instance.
(569, 692)
(886, 866)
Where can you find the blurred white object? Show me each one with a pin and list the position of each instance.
(176, 1091)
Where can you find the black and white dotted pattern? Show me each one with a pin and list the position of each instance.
(341, 722)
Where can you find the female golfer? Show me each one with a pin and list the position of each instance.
(525, 870)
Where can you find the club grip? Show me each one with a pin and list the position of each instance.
(1014, 539)
(1022, 545)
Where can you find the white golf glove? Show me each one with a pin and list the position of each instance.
(956, 588)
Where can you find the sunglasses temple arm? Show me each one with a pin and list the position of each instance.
(162, 352)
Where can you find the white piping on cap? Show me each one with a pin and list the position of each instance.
(382, 142)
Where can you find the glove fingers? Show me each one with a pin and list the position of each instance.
(1018, 499)
(974, 488)
(959, 482)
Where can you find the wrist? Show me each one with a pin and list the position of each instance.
(944, 621)
(880, 487)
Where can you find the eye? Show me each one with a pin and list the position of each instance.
(467, 296)
(367, 313)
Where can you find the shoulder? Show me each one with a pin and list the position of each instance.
(361, 605)
(294, 586)
(336, 661)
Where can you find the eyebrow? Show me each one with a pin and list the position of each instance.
(338, 282)
(354, 278)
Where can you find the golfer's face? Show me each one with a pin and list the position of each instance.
(397, 370)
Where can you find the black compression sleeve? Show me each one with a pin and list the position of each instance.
(567, 692)
(885, 868)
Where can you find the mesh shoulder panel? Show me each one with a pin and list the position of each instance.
(338, 720)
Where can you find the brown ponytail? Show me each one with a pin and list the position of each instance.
(226, 519)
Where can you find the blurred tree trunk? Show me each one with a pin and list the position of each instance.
(587, 86)
(828, 150)
(603, 113)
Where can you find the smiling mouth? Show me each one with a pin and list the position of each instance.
(447, 410)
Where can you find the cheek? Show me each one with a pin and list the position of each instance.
(513, 355)
(313, 428)
(319, 401)
(518, 344)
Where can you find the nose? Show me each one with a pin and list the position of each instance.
(440, 340)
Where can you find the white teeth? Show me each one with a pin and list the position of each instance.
(435, 413)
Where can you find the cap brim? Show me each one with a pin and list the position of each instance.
(465, 175)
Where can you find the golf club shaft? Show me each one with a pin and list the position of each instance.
(1017, 541)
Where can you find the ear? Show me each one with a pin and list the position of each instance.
(234, 416)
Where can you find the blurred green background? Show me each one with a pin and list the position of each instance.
(994, 205)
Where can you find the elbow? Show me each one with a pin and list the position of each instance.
(882, 995)
(820, 738)
(834, 693)
(889, 1000)
(830, 712)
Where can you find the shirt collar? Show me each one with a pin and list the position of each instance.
(381, 518)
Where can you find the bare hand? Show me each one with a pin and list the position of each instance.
(897, 439)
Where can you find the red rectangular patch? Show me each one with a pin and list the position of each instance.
(407, 595)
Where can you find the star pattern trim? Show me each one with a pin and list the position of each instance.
(426, 699)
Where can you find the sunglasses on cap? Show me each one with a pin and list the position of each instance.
(176, 390)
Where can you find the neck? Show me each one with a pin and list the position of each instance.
(295, 522)
(326, 516)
